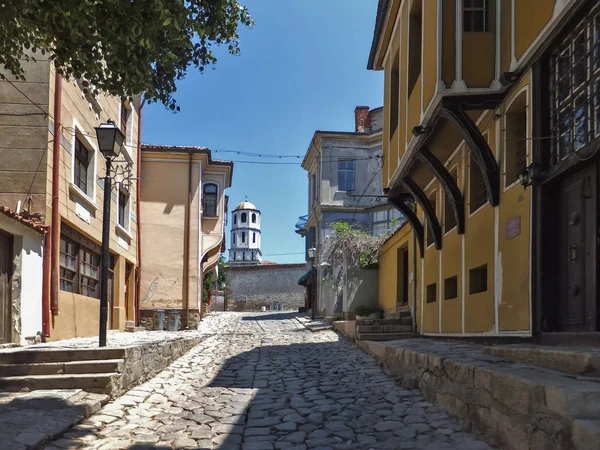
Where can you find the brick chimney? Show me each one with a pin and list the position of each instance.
(361, 118)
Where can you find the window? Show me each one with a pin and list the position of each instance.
(478, 279)
(123, 210)
(254, 238)
(449, 217)
(243, 237)
(431, 293)
(210, 200)
(313, 181)
(235, 219)
(433, 202)
(394, 92)
(244, 217)
(253, 218)
(477, 190)
(345, 175)
(79, 268)
(385, 221)
(83, 160)
(234, 255)
(125, 112)
(415, 49)
(233, 238)
(575, 87)
(475, 16)
(516, 146)
(451, 288)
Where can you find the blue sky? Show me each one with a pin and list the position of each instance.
(302, 68)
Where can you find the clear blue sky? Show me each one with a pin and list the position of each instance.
(302, 68)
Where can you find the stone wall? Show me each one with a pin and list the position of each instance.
(147, 319)
(254, 286)
(145, 361)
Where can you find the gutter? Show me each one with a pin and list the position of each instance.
(54, 254)
(187, 240)
(138, 269)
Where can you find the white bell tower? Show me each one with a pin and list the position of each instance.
(245, 235)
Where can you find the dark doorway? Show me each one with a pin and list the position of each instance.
(6, 245)
(577, 251)
(402, 277)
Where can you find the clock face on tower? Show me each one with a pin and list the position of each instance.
(244, 247)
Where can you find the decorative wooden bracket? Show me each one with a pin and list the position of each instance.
(399, 202)
(457, 200)
(479, 147)
(432, 221)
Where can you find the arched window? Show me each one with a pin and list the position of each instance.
(254, 238)
(253, 218)
(210, 199)
(244, 217)
(243, 237)
(234, 238)
(234, 256)
(234, 219)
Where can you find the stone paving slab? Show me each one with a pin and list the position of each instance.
(314, 324)
(115, 339)
(27, 420)
(263, 381)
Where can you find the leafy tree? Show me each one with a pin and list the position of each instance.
(120, 47)
(209, 279)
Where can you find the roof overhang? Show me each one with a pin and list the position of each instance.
(384, 24)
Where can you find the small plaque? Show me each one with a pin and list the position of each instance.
(513, 227)
(82, 212)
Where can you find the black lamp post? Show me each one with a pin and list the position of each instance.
(110, 142)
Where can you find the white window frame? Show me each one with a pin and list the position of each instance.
(475, 9)
(127, 145)
(80, 134)
(347, 171)
(127, 228)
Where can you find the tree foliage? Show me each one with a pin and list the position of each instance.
(352, 245)
(120, 47)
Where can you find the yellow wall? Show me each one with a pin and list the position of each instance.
(448, 42)
(79, 317)
(531, 16)
(388, 268)
(479, 50)
(430, 51)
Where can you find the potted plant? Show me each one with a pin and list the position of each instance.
(367, 312)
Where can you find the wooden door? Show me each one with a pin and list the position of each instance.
(5, 288)
(402, 277)
(577, 215)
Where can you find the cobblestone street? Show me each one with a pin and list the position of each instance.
(263, 381)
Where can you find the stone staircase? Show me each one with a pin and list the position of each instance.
(385, 329)
(92, 370)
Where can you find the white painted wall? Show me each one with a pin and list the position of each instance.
(28, 253)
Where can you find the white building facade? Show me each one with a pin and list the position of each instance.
(245, 235)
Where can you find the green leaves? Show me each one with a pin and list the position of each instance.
(121, 47)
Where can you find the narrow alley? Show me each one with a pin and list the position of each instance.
(261, 381)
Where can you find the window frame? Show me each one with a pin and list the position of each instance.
(473, 163)
(82, 247)
(205, 210)
(126, 225)
(474, 10)
(447, 208)
(346, 171)
(432, 193)
(79, 135)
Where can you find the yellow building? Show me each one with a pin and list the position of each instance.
(51, 170)
(184, 212)
(482, 98)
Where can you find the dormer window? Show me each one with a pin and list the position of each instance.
(210, 201)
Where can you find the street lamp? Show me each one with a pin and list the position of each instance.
(312, 252)
(110, 142)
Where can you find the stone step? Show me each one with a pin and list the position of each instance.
(380, 322)
(58, 368)
(573, 360)
(519, 406)
(91, 382)
(385, 336)
(384, 329)
(47, 354)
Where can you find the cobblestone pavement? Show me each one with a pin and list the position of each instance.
(261, 382)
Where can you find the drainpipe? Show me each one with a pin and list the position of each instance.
(138, 269)
(46, 285)
(187, 240)
(55, 228)
(414, 315)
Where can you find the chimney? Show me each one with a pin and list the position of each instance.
(361, 118)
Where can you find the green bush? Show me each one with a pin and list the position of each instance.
(366, 311)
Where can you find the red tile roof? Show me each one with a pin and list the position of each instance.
(30, 222)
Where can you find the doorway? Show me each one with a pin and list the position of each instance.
(402, 277)
(6, 245)
(577, 251)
